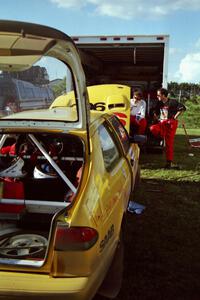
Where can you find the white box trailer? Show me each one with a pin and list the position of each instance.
(140, 61)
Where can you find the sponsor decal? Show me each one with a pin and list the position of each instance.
(101, 106)
(121, 116)
(107, 238)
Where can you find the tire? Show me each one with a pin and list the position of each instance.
(23, 244)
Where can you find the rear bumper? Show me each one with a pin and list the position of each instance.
(37, 286)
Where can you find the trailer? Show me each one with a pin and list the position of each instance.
(137, 61)
(140, 61)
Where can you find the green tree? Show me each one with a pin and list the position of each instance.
(184, 91)
(59, 88)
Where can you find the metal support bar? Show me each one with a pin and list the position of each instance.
(53, 164)
(3, 138)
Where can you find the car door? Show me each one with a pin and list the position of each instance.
(131, 150)
(118, 177)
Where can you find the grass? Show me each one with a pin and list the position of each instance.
(191, 116)
(162, 246)
(189, 165)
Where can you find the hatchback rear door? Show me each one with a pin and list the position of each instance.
(25, 49)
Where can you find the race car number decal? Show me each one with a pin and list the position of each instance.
(99, 106)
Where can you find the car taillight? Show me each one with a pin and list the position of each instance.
(74, 238)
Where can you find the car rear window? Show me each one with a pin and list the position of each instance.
(110, 151)
(121, 132)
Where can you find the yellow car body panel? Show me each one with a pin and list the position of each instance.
(36, 285)
(112, 98)
(105, 98)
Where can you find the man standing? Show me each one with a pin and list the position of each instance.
(138, 110)
(167, 112)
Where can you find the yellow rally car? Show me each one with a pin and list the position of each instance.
(66, 172)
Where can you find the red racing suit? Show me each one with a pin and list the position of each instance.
(166, 127)
(140, 124)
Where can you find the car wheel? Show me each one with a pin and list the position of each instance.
(23, 245)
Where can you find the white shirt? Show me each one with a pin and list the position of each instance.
(138, 108)
(164, 113)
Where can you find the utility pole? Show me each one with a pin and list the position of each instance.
(179, 96)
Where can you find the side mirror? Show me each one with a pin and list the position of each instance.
(138, 139)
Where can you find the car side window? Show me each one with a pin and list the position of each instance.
(121, 132)
(110, 151)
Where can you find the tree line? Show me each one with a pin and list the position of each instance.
(184, 91)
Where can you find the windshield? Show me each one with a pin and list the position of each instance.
(44, 90)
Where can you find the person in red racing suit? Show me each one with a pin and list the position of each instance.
(138, 122)
(166, 113)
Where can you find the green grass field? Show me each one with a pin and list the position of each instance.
(162, 246)
(187, 158)
(162, 260)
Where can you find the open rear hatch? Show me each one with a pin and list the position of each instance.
(37, 65)
(41, 153)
